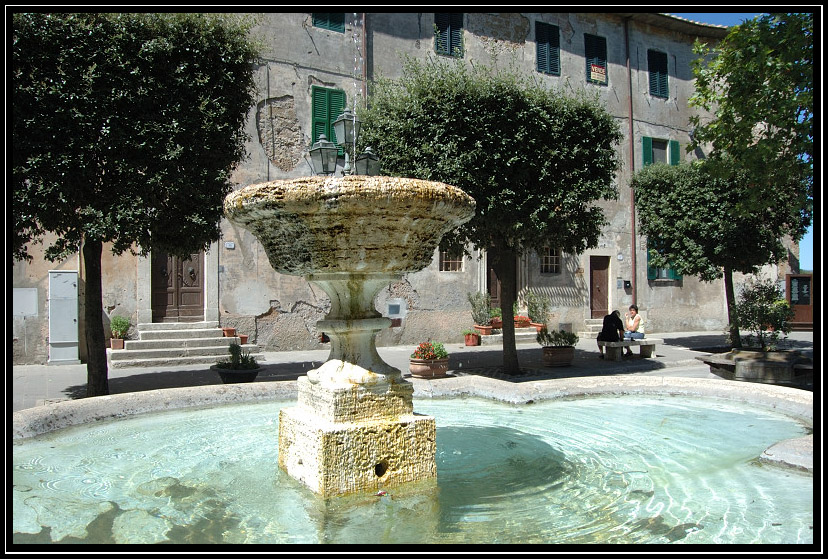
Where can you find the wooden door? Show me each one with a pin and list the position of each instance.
(798, 292)
(178, 288)
(599, 286)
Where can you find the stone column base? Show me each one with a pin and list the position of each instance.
(337, 458)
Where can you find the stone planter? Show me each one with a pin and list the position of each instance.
(558, 356)
(428, 368)
(230, 376)
(116, 343)
(772, 367)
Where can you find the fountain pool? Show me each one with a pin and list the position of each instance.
(640, 468)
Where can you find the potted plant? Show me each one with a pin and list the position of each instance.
(480, 312)
(496, 318)
(558, 347)
(537, 307)
(429, 360)
(472, 337)
(242, 366)
(119, 326)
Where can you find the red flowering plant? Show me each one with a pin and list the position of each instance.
(430, 350)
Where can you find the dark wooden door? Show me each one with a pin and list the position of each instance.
(798, 291)
(493, 285)
(598, 286)
(178, 288)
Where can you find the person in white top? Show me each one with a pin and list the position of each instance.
(634, 325)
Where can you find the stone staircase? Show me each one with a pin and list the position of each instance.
(167, 344)
(592, 327)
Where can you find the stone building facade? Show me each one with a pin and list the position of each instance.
(639, 65)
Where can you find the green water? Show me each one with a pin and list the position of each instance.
(623, 469)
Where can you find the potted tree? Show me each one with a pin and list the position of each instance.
(480, 312)
(537, 307)
(242, 366)
(429, 360)
(119, 325)
(558, 347)
(472, 337)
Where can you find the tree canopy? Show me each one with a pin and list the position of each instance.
(125, 128)
(758, 81)
(536, 160)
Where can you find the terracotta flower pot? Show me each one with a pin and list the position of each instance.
(483, 330)
(243, 338)
(229, 332)
(116, 343)
(473, 339)
(536, 325)
(497, 323)
(428, 368)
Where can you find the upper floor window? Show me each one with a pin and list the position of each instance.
(548, 48)
(326, 106)
(448, 34)
(550, 261)
(657, 66)
(332, 22)
(660, 151)
(595, 48)
(450, 261)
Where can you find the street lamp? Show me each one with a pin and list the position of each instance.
(367, 163)
(323, 156)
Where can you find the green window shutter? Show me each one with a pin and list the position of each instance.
(326, 106)
(652, 273)
(448, 36)
(595, 49)
(330, 21)
(675, 153)
(647, 151)
(547, 48)
(657, 66)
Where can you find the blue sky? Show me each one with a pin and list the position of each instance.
(806, 245)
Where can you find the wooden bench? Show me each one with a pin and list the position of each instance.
(613, 350)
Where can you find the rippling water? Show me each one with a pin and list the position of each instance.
(623, 469)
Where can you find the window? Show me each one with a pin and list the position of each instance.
(657, 66)
(660, 273)
(450, 261)
(550, 261)
(331, 22)
(448, 34)
(595, 48)
(327, 105)
(660, 151)
(548, 48)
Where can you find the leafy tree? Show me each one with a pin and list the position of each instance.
(535, 160)
(125, 130)
(692, 221)
(759, 80)
(763, 311)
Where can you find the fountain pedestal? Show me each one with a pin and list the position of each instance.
(354, 428)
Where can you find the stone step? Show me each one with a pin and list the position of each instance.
(133, 361)
(215, 351)
(152, 326)
(168, 343)
(180, 334)
(522, 336)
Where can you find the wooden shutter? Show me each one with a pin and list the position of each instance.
(675, 153)
(330, 21)
(326, 106)
(547, 41)
(647, 150)
(657, 66)
(448, 38)
(595, 49)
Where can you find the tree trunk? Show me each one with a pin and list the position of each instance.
(505, 265)
(97, 381)
(730, 297)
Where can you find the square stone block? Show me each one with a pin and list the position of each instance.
(349, 457)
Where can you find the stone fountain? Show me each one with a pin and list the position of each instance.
(354, 428)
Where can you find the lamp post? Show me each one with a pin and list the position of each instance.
(367, 163)
(324, 152)
(346, 129)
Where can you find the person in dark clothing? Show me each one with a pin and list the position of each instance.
(612, 330)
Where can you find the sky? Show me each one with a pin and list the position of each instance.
(806, 245)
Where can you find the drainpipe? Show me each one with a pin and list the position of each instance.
(632, 163)
(364, 60)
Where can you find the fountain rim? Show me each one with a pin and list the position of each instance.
(791, 402)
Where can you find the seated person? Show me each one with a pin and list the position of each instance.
(612, 330)
(635, 326)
